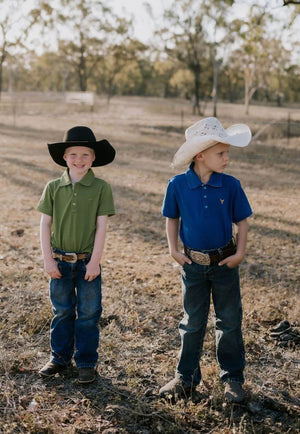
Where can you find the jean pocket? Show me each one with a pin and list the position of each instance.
(186, 266)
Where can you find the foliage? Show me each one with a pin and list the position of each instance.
(95, 50)
(14, 30)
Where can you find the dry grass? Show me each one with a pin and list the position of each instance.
(141, 284)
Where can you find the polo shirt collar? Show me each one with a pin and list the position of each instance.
(86, 180)
(194, 181)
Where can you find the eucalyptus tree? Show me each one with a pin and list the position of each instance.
(163, 71)
(191, 35)
(185, 39)
(291, 2)
(16, 21)
(118, 56)
(252, 54)
(218, 12)
(260, 52)
(83, 29)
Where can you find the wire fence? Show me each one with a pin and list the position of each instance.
(279, 129)
(16, 103)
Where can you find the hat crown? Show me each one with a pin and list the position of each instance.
(206, 127)
(79, 134)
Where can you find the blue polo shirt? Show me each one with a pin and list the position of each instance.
(207, 211)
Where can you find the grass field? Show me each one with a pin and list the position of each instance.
(141, 283)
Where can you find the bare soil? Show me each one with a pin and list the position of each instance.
(141, 283)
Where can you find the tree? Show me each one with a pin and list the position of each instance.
(260, 51)
(164, 70)
(193, 35)
(83, 28)
(253, 51)
(14, 30)
(232, 79)
(115, 58)
(291, 2)
(182, 82)
(217, 11)
(48, 72)
(185, 41)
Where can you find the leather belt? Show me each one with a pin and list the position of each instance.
(212, 256)
(70, 257)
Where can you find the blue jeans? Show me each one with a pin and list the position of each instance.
(198, 282)
(77, 309)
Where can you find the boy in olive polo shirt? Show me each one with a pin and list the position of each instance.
(75, 209)
(201, 205)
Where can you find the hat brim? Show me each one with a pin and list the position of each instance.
(104, 152)
(238, 135)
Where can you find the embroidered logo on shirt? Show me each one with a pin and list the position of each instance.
(222, 201)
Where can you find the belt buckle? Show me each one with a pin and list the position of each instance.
(73, 256)
(201, 258)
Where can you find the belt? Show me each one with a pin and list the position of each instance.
(70, 257)
(212, 256)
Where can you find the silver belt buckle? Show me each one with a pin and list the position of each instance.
(73, 256)
(199, 257)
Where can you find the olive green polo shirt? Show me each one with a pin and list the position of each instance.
(74, 210)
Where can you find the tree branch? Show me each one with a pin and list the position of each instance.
(291, 2)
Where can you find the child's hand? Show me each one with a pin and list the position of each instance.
(232, 261)
(180, 258)
(92, 271)
(52, 269)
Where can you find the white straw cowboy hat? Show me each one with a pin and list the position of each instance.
(206, 133)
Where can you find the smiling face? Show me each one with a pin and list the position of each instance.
(79, 159)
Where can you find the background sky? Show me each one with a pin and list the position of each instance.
(145, 25)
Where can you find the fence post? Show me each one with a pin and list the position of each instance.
(288, 132)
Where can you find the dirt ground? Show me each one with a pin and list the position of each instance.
(141, 284)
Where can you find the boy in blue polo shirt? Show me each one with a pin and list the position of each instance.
(201, 205)
(75, 210)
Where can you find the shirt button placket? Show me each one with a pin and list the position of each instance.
(205, 199)
(74, 200)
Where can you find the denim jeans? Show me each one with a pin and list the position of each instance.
(198, 283)
(77, 309)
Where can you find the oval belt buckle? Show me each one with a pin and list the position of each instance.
(73, 256)
(203, 258)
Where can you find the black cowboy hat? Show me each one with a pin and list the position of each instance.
(82, 136)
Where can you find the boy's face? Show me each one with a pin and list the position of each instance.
(216, 158)
(79, 159)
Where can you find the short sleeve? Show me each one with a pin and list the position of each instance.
(170, 206)
(106, 203)
(242, 208)
(45, 204)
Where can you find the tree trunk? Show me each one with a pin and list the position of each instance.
(1, 72)
(215, 86)
(248, 80)
(196, 106)
(2, 58)
(82, 74)
(82, 65)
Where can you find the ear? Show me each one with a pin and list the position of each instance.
(64, 157)
(199, 157)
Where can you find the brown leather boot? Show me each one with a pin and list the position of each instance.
(234, 392)
(176, 388)
(51, 369)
